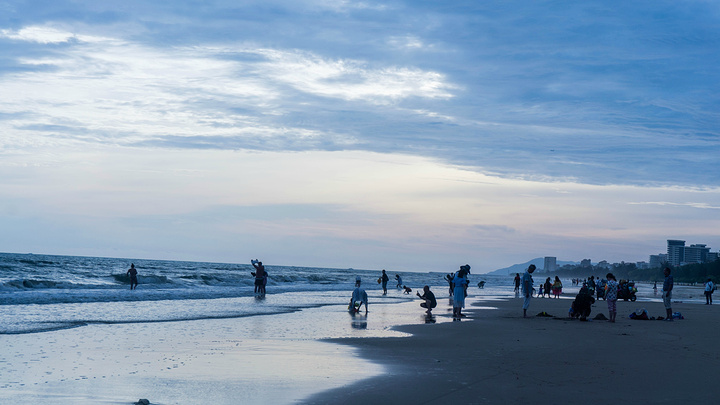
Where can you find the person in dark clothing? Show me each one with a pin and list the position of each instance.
(582, 306)
(429, 298)
(132, 272)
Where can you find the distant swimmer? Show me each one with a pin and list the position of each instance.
(260, 276)
(132, 272)
(359, 298)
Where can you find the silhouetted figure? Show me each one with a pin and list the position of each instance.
(429, 298)
(260, 276)
(132, 272)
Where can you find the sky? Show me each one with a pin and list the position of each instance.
(405, 135)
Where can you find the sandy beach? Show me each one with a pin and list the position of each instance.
(499, 357)
(323, 355)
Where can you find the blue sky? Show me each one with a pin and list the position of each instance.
(400, 135)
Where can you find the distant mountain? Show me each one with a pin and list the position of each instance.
(521, 267)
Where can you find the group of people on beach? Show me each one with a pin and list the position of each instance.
(458, 282)
(581, 306)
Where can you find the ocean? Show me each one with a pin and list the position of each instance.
(73, 331)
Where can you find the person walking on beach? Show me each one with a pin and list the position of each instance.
(359, 297)
(260, 276)
(667, 293)
(460, 282)
(399, 282)
(709, 288)
(132, 272)
(611, 290)
(384, 279)
(517, 283)
(527, 287)
(429, 298)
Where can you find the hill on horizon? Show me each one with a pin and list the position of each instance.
(539, 262)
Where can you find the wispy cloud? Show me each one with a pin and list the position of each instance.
(701, 205)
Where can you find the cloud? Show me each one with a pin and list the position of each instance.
(700, 205)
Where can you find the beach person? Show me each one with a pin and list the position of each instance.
(399, 281)
(429, 297)
(517, 282)
(548, 287)
(667, 293)
(384, 279)
(709, 288)
(260, 278)
(449, 278)
(460, 282)
(527, 288)
(611, 296)
(541, 291)
(557, 287)
(359, 298)
(132, 272)
(582, 306)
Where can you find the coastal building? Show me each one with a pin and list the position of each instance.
(712, 256)
(642, 265)
(675, 252)
(696, 253)
(586, 263)
(550, 263)
(658, 260)
(603, 264)
(678, 253)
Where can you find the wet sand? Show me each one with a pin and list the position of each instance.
(499, 357)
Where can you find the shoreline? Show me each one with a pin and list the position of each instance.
(500, 357)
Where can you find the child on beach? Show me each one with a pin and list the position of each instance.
(541, 292)
(611, 290)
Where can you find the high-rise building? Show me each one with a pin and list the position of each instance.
(675, 252)
(658, 260)
(696, 253)
(550, 263)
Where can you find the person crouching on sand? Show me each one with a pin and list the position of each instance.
(527, 288)
(359, 297)
(429, 298)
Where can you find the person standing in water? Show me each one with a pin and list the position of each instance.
(260, 277)
(384, 279)
(132, 272)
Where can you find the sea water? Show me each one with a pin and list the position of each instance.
(73, 331)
